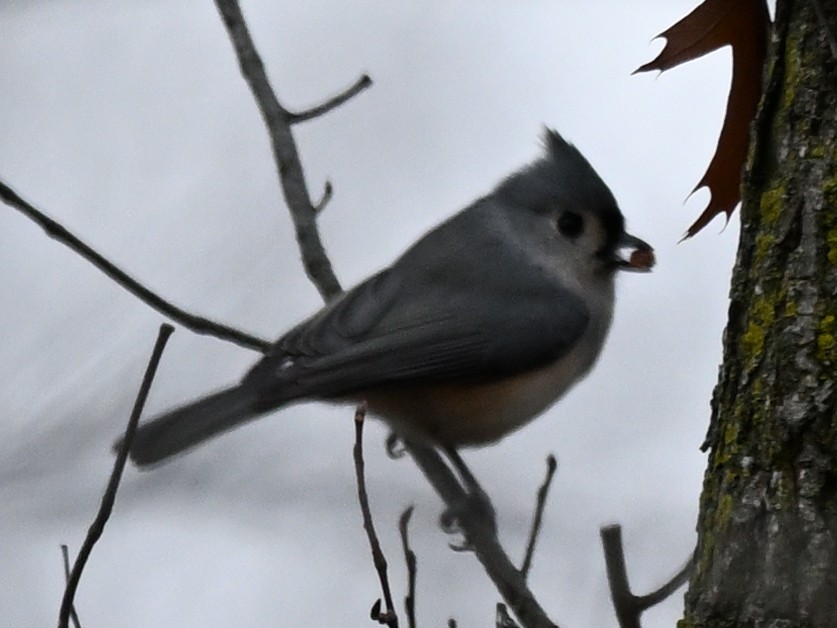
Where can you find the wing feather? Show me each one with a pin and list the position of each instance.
(447, 319)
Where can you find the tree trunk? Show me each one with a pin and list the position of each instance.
(767, 530)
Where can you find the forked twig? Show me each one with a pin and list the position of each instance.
(109, 496)
(278, 121)
(629, 607)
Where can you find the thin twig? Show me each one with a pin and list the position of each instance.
(537, 520)
(410, 559)
(328, 192)
(629, 607)
(677, 581)
(389, 617)
(109, 496)
(285, 154)
(65, 558)
(194, 323)
(332, 103)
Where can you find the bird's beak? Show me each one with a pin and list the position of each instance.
(634, 254)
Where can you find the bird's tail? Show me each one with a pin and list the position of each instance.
(181, 429)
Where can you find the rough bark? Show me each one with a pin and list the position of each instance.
(767, 530)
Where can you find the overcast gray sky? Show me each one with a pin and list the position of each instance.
(129, 123)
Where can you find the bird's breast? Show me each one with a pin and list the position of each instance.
(457, 414)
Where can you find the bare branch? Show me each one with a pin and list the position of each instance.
(389, 617)
(109, 496)
(410, 559)
(482, 538)
(629, 607)
(194, 323)
(332, 103)
(537, 520)
(285, 154)
(65, 558)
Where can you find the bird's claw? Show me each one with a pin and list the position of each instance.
(476, 509)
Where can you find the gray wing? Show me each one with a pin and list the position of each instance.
(436, 315)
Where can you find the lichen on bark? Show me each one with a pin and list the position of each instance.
(767, 530)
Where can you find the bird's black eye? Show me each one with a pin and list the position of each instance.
(570, 224)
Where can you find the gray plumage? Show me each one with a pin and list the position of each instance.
(519, 282)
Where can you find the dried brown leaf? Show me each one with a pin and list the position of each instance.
(742, 24)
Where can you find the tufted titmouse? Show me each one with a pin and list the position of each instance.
(481, 325)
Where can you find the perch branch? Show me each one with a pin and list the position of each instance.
(482, 538)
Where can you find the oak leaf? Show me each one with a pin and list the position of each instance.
(744, 25)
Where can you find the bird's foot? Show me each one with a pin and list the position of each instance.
(474, 510)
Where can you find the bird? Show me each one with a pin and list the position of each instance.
(480, 326)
